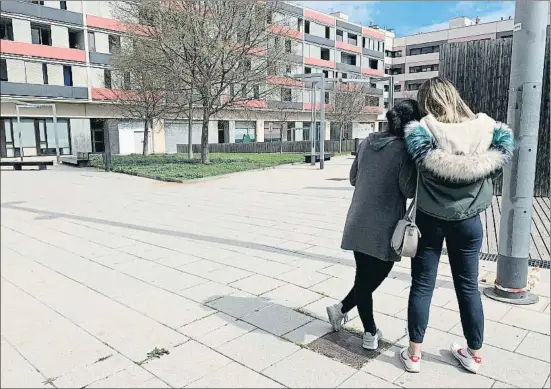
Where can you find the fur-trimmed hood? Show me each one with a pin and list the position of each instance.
(460, 152)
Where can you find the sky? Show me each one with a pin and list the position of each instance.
(412, 17)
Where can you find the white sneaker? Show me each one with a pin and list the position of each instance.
(412, 363)
(469, 362)
(336, 317)
(371, 342)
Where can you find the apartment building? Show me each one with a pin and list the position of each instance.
(413, 59)
(59, 52)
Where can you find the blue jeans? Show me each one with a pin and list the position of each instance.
(463, 240)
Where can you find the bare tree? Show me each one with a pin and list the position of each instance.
(220, 49)
(284, 105)
(347, 102)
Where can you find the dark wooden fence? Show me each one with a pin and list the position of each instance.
(480, 70)
(331, 146)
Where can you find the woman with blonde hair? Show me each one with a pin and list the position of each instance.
(457, 153)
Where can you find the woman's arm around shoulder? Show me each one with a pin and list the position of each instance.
(407, 178)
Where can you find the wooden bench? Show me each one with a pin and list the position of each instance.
(18, 165)
(308, 157)
(79, 160)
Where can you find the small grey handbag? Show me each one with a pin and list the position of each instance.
(406, 234)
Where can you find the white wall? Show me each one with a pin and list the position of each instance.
(21, 30)
(213, 131)
(102, 42)
(55, 74)
(80, 77)
(81, 138)
(362, 130)
(97, 78)
(34, 72)
(60, 36)
(99, 8)
(75, 6)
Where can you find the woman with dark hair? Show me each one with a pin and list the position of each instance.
(384, 177)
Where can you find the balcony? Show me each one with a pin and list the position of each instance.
(373, 53)
(421, 75)
(284, 31)
(318, 40)
(348, 68)
(291, 105)
(429, 58)
(39, 90)
(43, 51)
(348, 47)
(319, 62)
(373, 72)
(286, 81)
(348, 26)
(366, 31)
(42, 12)
(100, 58)
(319, 17)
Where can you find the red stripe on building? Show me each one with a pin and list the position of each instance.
(373, 33)
(279, 30)
(319, 62)
(349, 47)
(43, 51)
(318, 16)
(373, 72)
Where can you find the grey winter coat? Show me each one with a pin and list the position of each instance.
(383, 176)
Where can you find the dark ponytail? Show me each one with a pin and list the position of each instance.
(401, 114)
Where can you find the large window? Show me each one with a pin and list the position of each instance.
(424, 50)
(67, 75)
(348, 59)
(340, 35)
(37, 137)
(3, 70)
(352, 39)
(76, 39)
(91, 41)
(373, 64)
(325, 54)
(6, 29)
(114, 43)
(107, 79)
(45, 74)
(423, 68)
(41, 34)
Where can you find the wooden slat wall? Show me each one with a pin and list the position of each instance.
(480, 70)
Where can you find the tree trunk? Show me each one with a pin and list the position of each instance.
(205, 139)
(340, 137)
(281, 138)
(146, 137)
(190, 130)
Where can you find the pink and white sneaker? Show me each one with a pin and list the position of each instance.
(469, 362)
(412, 363)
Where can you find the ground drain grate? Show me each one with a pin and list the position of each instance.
(346, 347)
(337, 179)
(541, 263)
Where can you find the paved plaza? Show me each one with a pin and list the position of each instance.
(110, 280)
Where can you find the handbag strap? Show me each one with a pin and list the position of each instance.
(412, 210)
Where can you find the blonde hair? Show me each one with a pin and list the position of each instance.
(438, 96)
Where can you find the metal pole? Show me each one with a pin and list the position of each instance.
(523, 115)
(390, 92)
(190, 130)
(313, 128)
(322, 123)
(19, 132)
(54, 113)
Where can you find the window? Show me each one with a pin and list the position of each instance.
(288, 69)
(67, 75)
(413, 87)
(363, 42)
(269, 17)
(76, 40)
(300, 23)
(327, 99)
(352, 39)
(256, 92)
(373, 85)
(307, 26)
(41, 34)
(386, 104)
(286, 94)
(339, 35)
(307, 70)
(415, 52)
(288, 46)
(63, 5)
(386, 88)
(91, 41)
(37, 2)
(325, 73)
(126, 81)
(373, 64)
(371, 44)
(381, 46)
(6, 29)
(45, 74)
(325, 54)
(398, 88)
(114, 43)
(327, 32)
(3, 70)
(423, 68)
(107, 78)
(348, 59)
(344, 75)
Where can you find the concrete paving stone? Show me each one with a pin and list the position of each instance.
(318, 309)
(388, 304)
(437, 374)
(257, 284)
(307, 369)
(147, 251)
(311, 264)
(132, 377)
(230, 331)
(546, 311)
(166, 307)
(277, 319)
(436, 345)
(547, 383)
(393, 328)
(227, 275)
(258, 350)
(540, 306)
(439, 318)
(535, 345)
(186, 363)
(265, 267)
(497, 334)
(38, 333)
(205, 325)
(529, 320)
(511, 368)
(94, 372)
(542, 289)
(16, 372)
(503, 385)
(239, 304)
(234, 375)
(333, 287)
(292, 296)
(443, 294)
(395, 287)
(178, 260)
(208, 291)
(365, 380)
(279, 256)
(201, 267)
(303, 278)
(338, 270)
(309, 332)
(112, 260)
(493, 310)
(386, 366)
